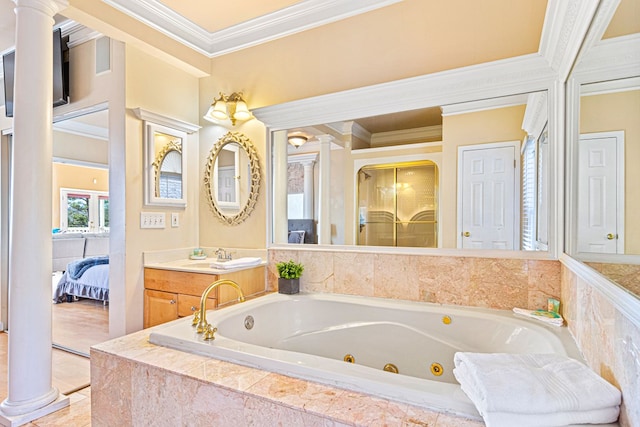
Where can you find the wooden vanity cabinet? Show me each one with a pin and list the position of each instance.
(170, 294)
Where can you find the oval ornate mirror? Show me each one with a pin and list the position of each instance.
(232, 178)
(168, 171)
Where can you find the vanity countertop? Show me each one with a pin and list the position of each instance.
(197, 266)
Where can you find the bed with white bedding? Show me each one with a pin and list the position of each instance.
(85, 278)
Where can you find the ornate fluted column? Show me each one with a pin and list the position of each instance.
(324, 188)
(30, 392)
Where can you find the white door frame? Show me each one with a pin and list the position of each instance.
(620, 188)
(516, 176)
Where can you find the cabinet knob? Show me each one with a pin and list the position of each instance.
(193, 308)
(172, 301)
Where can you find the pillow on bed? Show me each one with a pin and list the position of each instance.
(296, 236)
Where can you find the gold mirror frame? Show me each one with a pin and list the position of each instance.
(254, 165)
(157, 164)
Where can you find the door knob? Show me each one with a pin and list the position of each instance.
(466, 234)
(610, 236)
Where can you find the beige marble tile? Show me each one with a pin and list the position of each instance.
(111, 390)
(261, 413)
(443, 280)
(209, 405)
(363, 410)
(157, 393)
(296, 393)
(230, 375)
(418, 417)
(544, 283)
(498, 283)
(318, 271)
(178, 361)
(396, 276)
(627, 369)
(353, 273)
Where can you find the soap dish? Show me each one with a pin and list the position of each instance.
(197, 257)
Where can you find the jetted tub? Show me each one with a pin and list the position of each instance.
(309, 336)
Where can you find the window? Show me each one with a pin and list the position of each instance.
(535, 160)
(84, 210)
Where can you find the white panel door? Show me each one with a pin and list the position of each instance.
(598, 185)
(488, 197)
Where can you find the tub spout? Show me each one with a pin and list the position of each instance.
(200, 316)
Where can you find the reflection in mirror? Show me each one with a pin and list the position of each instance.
(168, 166)
(232, 178)
(606, 234)
(80, 196)
(165, 166)
(506, 135)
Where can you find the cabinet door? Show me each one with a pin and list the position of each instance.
(188, 304)
(159, 307)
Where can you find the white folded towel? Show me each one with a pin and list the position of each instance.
(560, 390)
(547, 317)
(236, 263)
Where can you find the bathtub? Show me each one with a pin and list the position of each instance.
(317, 336)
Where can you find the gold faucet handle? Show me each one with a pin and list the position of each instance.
(196, 318)
(209, 332)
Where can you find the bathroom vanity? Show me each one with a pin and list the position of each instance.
(173, 290)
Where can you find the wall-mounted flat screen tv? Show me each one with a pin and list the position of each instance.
(60, 74)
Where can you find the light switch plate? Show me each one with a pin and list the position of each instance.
(175, 219)
(152, 219)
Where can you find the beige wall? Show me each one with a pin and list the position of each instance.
(252, 232)
(76, 177)
(483, 127)
(612, 112)
(163, 89)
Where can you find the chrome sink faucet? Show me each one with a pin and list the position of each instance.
(222, 255)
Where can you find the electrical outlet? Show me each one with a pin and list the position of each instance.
(152, 220)
(175, 219)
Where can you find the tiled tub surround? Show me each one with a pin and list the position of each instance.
(608, 339)
(308, 335)
(137, 383)
(469, 281)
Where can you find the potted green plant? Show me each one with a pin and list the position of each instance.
(289, 280)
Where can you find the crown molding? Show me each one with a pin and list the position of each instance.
(406, 135)
(566, 23)
(536, 114)
(610, 59)
(180, 125)
(610, 86)
(510, 76)
(484, 104)
(299, 17)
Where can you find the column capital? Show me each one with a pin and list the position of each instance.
(51, 7)
(324, 139)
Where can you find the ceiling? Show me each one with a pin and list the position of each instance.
(218, 27)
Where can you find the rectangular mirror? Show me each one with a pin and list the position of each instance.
(605, 233)
(359, 181)
(165, 166)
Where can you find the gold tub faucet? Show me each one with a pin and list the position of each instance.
(200, 316)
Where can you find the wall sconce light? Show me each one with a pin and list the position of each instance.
(231, 107)
(297, 140)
